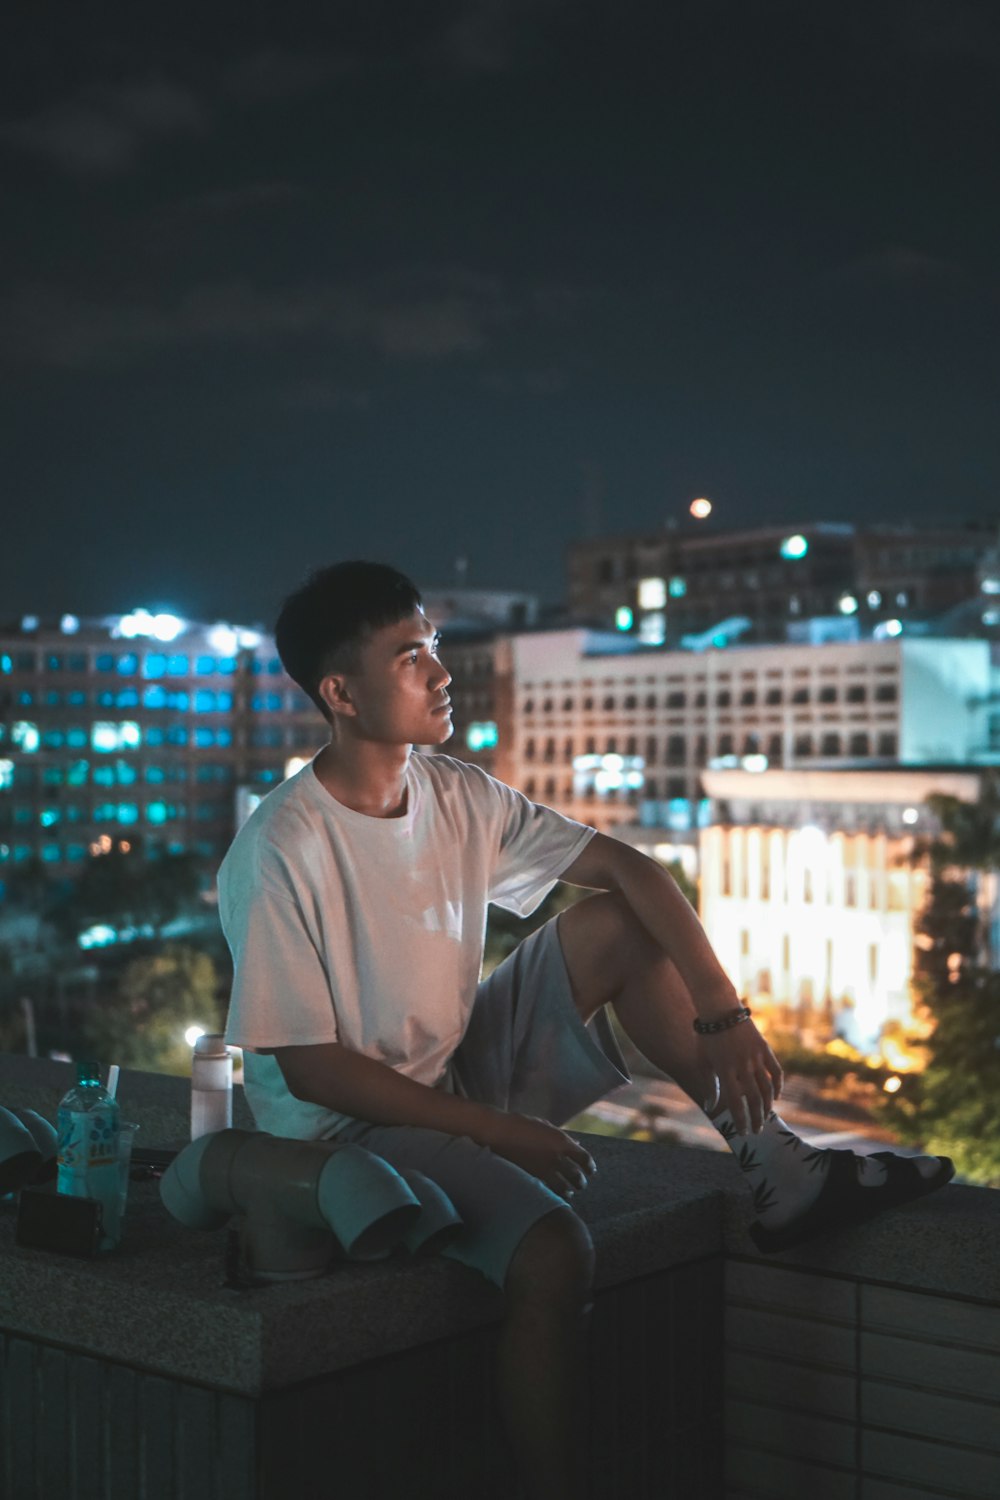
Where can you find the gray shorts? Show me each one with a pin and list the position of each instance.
(525, 1050)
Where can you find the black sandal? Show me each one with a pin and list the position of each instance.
(842, 1201)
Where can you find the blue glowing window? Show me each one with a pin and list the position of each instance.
(76, 699)
(52, 776)
(203, 737)
(106, 700)
(155, 736)
(127, 698)
(154, 775)
(227, 665)
(274, 702)
(128, 812)
(126, 774)
(223, 737)
(154, 665)
(105, 812)
(154, 697)
(51, 853)
(77, 773)
(265, 777)
(177, 736)
(178, 666)
(75, 852)
(104, 663)
(49, 816)
(128, 665)
(274, 667)
(53, 739)
(6, 663)
(76, 738)
(22, 852)
(204, 701)
(178, 701)
(205, 666)
(103, 776)
(257, 702)
(53, 699)
(224, 702)
(53, 663)
(25, 699)
(256, 666)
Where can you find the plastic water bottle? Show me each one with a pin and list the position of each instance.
(211, 1086)
(87, 1163)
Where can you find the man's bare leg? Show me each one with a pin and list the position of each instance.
(541, 1359)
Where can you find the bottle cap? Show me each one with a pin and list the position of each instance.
(211, 1044)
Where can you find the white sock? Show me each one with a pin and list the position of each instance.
(785, 1173)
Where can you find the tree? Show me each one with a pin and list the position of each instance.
(953, 1107)
(157, 999)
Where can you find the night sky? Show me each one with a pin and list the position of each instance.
(423, 281)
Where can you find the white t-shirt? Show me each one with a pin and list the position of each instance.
(369, 931)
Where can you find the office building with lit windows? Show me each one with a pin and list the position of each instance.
(811, 896)
(143, 732)
(689, 586)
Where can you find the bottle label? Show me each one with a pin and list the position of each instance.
(87, 1140)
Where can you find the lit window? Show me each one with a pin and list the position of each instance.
(848, 604)
(6, 774)
(76, 738)
(177, 736)
(653, 628)
(77, 773)
(51, 853)
(224, 702)
(481, 736)
(154, 697)
(104, 663)
(127, 698)
(874, 598)
(177, 666)
(76, 699)
(227, 665)
(128, 812)
(54, 663)
(223, 737)
(205, 666)
(794, 547)
(678, 588)
(204, 701)
(273, 666)
(203, 737)
(154, 665)
(6, 664)
(652, 593)
(53, 739)
(128, 665)
(49, 816)
(25, 736)
(623, 618)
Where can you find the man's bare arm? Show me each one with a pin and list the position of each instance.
(337, 1078)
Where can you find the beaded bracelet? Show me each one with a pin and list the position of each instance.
(725, 1023)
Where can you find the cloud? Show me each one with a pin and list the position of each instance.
(259, 77)
(413, 315)
(102, 132)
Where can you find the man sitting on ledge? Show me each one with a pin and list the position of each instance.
(354, 901)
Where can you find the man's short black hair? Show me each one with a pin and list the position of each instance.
(322, 626)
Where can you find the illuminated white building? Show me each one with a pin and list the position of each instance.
(809, 893)
(580, 697)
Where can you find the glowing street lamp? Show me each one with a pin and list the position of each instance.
(701, 508)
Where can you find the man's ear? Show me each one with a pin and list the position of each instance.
(335, 694)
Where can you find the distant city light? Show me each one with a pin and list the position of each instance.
(25, 736)
(6, 774)
(607, 773)
(910, 815)
(162, 627)
(623, 617)
(887, 627)
(755, 763)
(29, 622)
(653, 628)
(700, 508)
(481, 735)
(892, 1085)
(874, 598)
(794, 547)
(848, 604)
(678, 588)
(69, 624)
(652, 593)
(192, 1034)
(990, 585)
(223, 638)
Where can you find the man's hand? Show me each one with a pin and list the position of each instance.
(747, 1074)
(544, 1150)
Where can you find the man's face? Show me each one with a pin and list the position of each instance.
(399, 697)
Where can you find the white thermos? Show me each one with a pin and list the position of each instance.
(211, 1086)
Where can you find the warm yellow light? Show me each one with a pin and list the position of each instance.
(892, 1085)
(700, 508)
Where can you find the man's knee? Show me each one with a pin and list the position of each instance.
(554, 1263)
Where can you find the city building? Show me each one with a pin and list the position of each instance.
(142, 732)
(615, 735)
(694, 586)
(810, 894)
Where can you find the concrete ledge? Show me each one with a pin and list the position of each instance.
(158, 1303)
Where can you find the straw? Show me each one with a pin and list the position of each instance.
(113, 1072)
